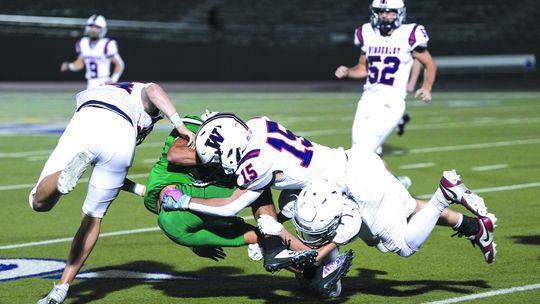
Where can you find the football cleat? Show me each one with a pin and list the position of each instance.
(402, 123)
(484, 238)
(325, 280)
(335, 270)
(283, 258)
(72, 172)
(56, 296)
(456, 192)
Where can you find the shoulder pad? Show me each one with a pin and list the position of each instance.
(254, 173)
(418, 36)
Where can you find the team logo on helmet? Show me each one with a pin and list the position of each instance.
(221, 140)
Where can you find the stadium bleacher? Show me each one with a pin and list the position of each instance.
(456, 28)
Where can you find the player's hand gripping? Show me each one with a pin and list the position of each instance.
(187, 134)
(268, 225)
(174, 199)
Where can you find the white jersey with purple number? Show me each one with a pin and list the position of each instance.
(97, 57)
(390, 58)
(273, 148)
(123, 98)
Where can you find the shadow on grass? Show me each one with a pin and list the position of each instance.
(527, 239)
(224, 281)
(370, 282)
(221, 281)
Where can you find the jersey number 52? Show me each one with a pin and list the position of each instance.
(382, 73)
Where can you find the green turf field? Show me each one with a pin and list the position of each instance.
(492, 139)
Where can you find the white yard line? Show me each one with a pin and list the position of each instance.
(69, 239)
(101, 235)
(123, 232)
(493, 189)
(82, 180)
(417, 166)
(487, 294)
(488, 145)
(490, 167)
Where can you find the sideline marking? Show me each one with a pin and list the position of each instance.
(487, 294)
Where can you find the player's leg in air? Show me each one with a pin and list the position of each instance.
(421, 222)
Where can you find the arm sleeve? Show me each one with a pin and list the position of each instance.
(230, 209)
(111, 48)
(419, 37)
(259, 174)
(358, 38)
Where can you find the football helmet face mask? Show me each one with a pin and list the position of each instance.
(383, 25)
(221, 140)
(317, 212)
(96, 21)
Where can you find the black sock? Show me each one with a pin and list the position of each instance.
(469, 226)
(272, 242)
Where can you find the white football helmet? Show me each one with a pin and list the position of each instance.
(317, 212)
(221, 140)
(384, 26)
(99, 21)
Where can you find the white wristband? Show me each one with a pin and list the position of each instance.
(115, 77)
(139, 189)
(71, 66)
(175, 120)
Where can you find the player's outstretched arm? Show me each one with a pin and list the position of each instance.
(154, 96)
(173, 199)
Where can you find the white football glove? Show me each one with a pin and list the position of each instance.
(268, 225)
(255, 252)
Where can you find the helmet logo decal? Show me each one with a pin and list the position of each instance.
(215, 139)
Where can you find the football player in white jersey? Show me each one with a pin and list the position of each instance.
(388, 49)
(269, 155)
(96, 52)
(108, 123)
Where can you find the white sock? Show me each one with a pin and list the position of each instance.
(421, 224)
(439, 200)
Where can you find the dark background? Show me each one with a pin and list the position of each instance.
(264, 40)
